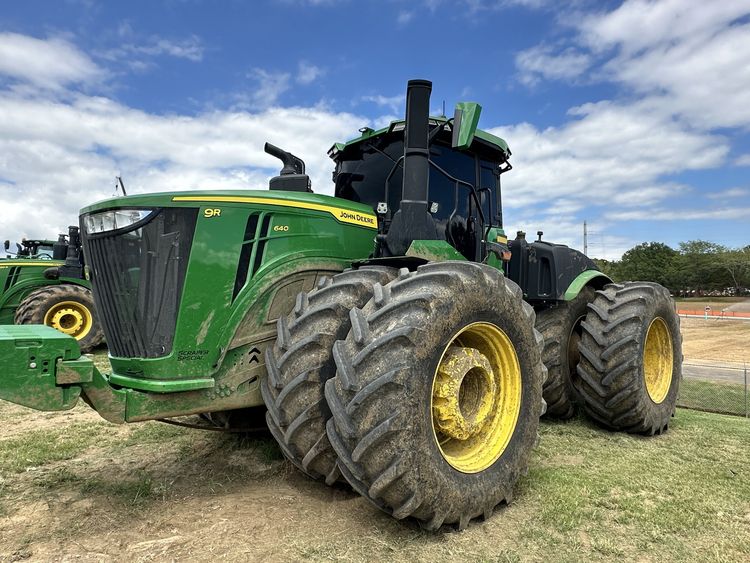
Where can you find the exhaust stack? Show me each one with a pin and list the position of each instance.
(416, 150)
(413, 220)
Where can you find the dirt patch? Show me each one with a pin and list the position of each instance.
(197, 495)
(715, 339)
(13, 417)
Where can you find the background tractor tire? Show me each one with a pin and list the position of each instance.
(560, 326)
(300, 363)
(631, 358)
(395, 428)
(68, 308)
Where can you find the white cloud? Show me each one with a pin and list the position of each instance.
(688, 57)
(472, 7)
(191, 48)
(610, 150)
(725, 213)
(648, 195)
(544, 61)
(729, 193)
(316, 3)
(139, 53)
(638, 25)
(394, 103)
(404, 17)
(271, 85)
(308, 73)
(681, 66)
(48, 63)
(610, 156)
(60, 153)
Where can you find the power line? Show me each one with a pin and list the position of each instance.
(585, 240)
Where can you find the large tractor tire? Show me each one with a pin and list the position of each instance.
(560, 326)
(631, 358)
(438, 393)
(66, 307)
(301, 362)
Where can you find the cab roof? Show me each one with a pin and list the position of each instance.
(487, 140)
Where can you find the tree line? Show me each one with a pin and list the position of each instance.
(697, 267)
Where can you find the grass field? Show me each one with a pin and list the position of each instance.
(72, 486)
(713, 396)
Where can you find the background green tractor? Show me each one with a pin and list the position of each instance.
(44, 282)
(41, 249)
(392, 332)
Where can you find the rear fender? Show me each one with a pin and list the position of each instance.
(593, 278)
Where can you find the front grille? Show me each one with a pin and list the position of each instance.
(138, 275)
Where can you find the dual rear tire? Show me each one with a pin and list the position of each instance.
(423, 390)
(631, 358)
(300, 363)
(433, 391)
(616, 354)
(560, 325)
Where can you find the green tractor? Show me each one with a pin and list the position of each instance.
(396, 338)
(39, 249)
(44, 282)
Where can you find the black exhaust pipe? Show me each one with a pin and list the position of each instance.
(413, 220)
(416, 135)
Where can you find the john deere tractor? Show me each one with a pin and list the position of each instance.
(396, 338)
(44, 282)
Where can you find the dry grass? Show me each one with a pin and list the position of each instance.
(152, 492)
(75, 488)
(715, 339)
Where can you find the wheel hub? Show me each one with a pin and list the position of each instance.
(476, 397)
(464, 392)
(68, 321)
(70, 318)
(658, 360)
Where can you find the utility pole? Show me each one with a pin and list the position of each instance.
(585, 240)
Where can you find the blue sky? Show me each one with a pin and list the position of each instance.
(633, 116)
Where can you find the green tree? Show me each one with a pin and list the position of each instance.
(649, 261)
(736, 262)
(609, 267)
(700, 266)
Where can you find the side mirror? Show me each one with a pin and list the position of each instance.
(6, 244)
(465, 121)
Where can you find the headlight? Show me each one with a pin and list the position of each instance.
(116, 219)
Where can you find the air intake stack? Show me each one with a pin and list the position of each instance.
(413, 220)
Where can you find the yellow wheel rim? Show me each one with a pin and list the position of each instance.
(70, 317)
(658, 359)
(476, 397)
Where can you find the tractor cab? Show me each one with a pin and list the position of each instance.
(463, 195)
(38, 249)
